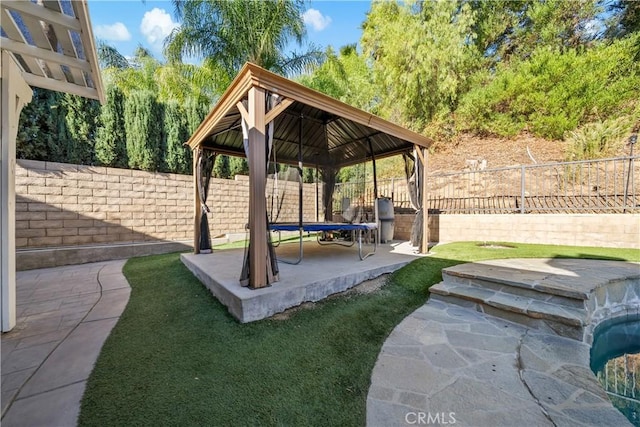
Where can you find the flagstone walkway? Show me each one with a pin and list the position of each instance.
(454, 361)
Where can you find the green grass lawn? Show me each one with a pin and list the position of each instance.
(176, 357)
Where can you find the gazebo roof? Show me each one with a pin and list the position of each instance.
(333, 133)
(52, 43)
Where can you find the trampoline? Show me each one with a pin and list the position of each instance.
(356, 230)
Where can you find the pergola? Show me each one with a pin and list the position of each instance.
(47, 44)
(309, 128)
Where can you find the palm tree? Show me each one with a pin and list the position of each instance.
(169, 81)
(109, 57)
(229, 33)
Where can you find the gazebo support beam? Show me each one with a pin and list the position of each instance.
(15, 93)
(423, 155)
(197, 203)
(258, 251)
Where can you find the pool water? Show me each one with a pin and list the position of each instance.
(615, 359)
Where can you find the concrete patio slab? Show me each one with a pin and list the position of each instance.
(324, 270)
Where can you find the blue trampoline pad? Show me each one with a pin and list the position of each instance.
(322, 226)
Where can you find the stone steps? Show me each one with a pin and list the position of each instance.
(514, 297)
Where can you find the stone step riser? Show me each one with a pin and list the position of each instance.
(513, 289)
(512, 303)
(560, 328)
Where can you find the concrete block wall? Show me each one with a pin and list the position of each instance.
(403, 225)
(68, 205)
(65, 205)
(604, 230)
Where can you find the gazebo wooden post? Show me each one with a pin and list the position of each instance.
(197, 208)
(257, 157)
(423, 155)
(15, 93)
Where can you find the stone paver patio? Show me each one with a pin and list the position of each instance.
(64, 316)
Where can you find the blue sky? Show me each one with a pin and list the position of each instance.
(124, 24)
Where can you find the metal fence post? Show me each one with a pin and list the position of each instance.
(393, 190)
(522, 189)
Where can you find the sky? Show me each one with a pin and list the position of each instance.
(125, 24)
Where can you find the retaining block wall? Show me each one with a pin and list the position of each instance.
(66, 205)
(605, 230)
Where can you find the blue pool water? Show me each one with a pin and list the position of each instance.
(615, 359)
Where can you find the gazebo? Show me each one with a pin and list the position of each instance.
(311, 129)
(47, 44)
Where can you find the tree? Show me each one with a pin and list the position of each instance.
(513, 29)
(422, 53)
(229, 33)
(221, 168)
(555, 23)
(109, 57)
(624, 18)
(82, 119)
(555, 91)
(346, 77)
(196, 110)
(111, 143)
(238, 166)
(143, 118)
(176, 155)
(42, 129)
(141, 75)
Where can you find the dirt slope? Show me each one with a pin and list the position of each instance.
(498, 152)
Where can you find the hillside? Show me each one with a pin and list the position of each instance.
(498, 152)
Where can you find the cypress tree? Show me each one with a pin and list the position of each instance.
(196, 109)
(143, 129)
(238, 166)
(176, 155)
(42, 128)
(111, 147)
(82, 119)
(221, 167)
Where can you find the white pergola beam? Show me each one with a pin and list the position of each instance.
(60, 86)
(49, 27)
(15, 93)
(44, 54)
(42, 13)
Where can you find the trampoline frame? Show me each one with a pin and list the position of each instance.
(355, 229)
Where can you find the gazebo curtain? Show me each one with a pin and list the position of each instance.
(204, 169)
(329, 175)
(414, 173)
(272, 262)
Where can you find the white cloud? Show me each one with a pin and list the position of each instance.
(316, 20)
(156, 25)
(115, 32)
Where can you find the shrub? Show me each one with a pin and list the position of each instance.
(554, 91)
(599, 139)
